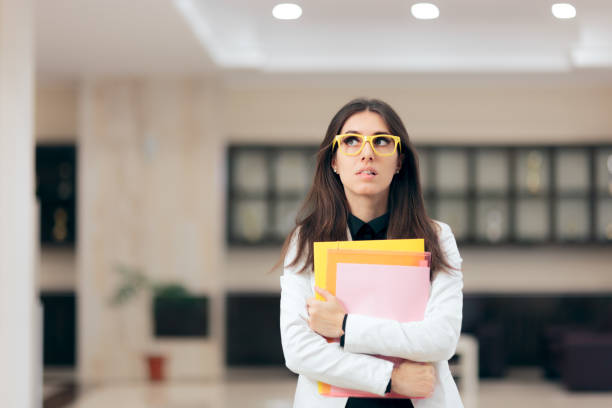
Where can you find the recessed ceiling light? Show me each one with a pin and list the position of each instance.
(425, 11)
(287, 11)
(563, 10)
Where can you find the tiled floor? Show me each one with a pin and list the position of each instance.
(270, 389)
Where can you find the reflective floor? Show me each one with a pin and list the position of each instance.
(274, 389)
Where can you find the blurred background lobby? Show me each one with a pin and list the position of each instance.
(153, 154)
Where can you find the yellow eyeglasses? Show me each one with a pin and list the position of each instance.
(351, 144)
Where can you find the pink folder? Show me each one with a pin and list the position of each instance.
(394, 292)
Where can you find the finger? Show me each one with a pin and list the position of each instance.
(326, 294)
(311, 308)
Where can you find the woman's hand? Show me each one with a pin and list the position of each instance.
(326, 316)
(413, 379)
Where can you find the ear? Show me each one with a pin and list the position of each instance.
(333, 162)
(400, 160)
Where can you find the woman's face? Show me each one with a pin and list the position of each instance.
(366, 174)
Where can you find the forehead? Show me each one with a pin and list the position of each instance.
(365, 122)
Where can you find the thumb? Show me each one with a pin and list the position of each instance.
(323, 293)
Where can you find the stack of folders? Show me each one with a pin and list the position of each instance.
(388, 279)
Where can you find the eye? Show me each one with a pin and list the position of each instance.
(352, 140)
(382, 140)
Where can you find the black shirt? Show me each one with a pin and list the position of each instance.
(375, 229)
(360, 231)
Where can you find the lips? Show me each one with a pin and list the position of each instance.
(367, 171)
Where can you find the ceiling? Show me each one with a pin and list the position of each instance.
(84, 38)
(81, 38)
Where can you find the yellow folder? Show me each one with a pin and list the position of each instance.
(367, 257)
(321, 249)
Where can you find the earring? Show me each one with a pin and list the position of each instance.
(335, 170)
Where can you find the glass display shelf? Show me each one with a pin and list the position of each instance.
(285, 213)
(532, 171)
(454, 212)
(603, 172)
(572, 170)
(451, 171)
(604, 219)
(292, 172)
(532, 219)
(249, 220)
(572, 220)
(491, 220)
(250, 172)
(492, 167)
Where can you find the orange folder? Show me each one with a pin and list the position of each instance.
(350, 256)
(396, 292)
(381, 252)
(321, 248)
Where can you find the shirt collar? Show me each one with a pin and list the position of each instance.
(378, 224)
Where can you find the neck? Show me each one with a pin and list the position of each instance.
(366, 208)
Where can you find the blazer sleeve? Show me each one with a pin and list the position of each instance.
(307, 353)
(432, 339)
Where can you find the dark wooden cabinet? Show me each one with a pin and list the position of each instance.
(56, 189)
(489, 195)
(59, 329)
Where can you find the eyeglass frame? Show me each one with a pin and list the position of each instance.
(366, 139)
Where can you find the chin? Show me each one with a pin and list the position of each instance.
(369, 191)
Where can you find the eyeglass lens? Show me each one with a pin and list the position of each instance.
(382, 144)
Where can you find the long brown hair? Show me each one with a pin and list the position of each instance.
(324, 214)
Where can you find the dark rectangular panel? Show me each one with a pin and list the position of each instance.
(253, 330)
(181, 317)
(56, 190)
(59, 333)
(521, 321)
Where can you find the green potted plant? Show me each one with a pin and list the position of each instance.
(133, 282)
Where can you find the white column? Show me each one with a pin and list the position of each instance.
(17, 210)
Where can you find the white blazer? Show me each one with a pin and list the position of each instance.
(432, 340)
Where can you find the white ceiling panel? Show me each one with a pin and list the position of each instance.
(106, 37)
(76, 38)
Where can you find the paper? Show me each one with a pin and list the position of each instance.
(383, 268)
(406, 290)
(335, 256)
(321, 248)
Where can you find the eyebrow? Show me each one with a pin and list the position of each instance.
(358, 132)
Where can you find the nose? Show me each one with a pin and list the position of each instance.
(367, 153)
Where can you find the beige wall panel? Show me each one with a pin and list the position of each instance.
(147, 199)
(57, 270)
(152, 192)
(20, 311)
(489, 270)
(453, 114)
(56, 112)
(492, 113)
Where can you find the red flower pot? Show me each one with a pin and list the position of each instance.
(156, 367)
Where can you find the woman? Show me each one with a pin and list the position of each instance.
(366, 186)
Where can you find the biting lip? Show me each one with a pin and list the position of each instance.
(367, 170)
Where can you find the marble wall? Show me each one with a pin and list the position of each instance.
(56, 111)
(517, 111)
(151, 190)
(20, 323)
